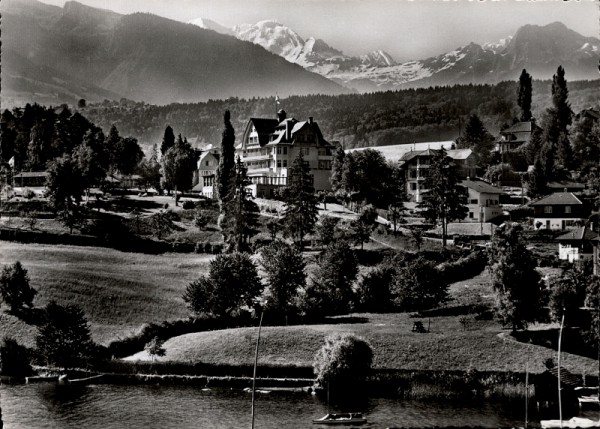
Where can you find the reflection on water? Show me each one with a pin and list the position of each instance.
(111, 406)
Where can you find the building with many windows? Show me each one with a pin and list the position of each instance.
(270, 146)
(416, 166)
(515, 136)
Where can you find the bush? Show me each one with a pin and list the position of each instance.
(14, 287)
(373, 292)
(343, 362)
(232, 283)
(188, 205)
(463, 268)
(418, 285)
(14, 359)
(28, 194)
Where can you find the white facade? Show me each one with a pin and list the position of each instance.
(568, 252)
(482, 206)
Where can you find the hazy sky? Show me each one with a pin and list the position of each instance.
(406, 29)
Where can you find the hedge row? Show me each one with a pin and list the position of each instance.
(168, 329)
(129, 244)
(464, 268)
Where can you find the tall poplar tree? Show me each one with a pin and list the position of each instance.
(301, 203)
(524, 96)
(558, 119)
(226, 169)
(168, 140)
(444, 199)
(337, 169)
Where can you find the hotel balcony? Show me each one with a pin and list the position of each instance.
(255, 171)
(257, 157)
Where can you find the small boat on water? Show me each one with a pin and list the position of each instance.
(341, 419)
(42, 379)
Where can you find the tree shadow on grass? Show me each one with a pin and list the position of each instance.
(344, 320)
(31, 316)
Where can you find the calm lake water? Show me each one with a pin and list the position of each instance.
(113, 406)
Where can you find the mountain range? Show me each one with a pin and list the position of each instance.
(539, 49)
(54, 55)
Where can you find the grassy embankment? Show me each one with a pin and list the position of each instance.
(118, 291)
(121, 291)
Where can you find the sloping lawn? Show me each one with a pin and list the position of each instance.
(446, 347)
(118, 291)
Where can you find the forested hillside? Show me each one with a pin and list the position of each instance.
(375, 119)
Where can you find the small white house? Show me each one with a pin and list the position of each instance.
(482, 200)
(576, 245)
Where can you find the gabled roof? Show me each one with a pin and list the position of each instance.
(459, 153)
(558, 198)
(481, 187)
(581, 233)
(264, 125)
(519, 127)
(452, 153)
(206, 154)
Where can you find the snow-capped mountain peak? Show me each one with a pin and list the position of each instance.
(530, 48)
(378, 58)
(209, 24)
(497, 47)
(273, 36)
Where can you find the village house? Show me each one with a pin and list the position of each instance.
(514, 136)
(270, 146)
(204, 176)
(416, 165)
(482, 200)
(34, 181)
(577, 245)
(558, 211)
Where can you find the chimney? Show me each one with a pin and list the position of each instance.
(310, 120)
(288, 132)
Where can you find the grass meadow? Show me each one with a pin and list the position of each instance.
(484, 347)
(118, 291)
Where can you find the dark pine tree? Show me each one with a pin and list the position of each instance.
(558, 119)
(524, 96)
(242, 212)
(168, 140)
(226, 169)
(301, 203)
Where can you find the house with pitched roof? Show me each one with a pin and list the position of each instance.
(416, 166)
(270, 146)
(558, 211)
(206, 172)
(516, 135)
(482, 200)
(577, 245)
